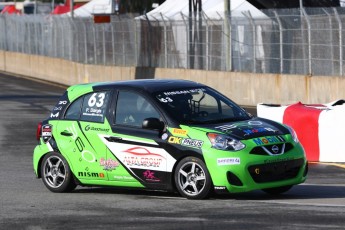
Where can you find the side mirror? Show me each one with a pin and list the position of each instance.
(153, 123)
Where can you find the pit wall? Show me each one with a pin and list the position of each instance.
(244, 88)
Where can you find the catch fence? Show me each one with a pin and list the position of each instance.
(289, 41)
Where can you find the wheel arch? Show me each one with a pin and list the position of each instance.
(184, 154)
(39, 164)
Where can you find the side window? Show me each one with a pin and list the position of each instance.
(132, 109)
(74, 110)
(94, 106)
(227, 110)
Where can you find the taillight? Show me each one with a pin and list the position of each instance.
(38, 131)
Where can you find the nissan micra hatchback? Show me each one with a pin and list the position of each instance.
(171, 135)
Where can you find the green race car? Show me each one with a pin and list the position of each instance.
(171, 135)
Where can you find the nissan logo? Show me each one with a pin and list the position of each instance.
(275, 149)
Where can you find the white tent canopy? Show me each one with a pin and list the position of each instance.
(213, 9)
(93, 7)
(173, 9)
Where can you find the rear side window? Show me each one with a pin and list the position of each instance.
(94, 107)
(74, 111)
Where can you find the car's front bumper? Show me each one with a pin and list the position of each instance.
(236, 172)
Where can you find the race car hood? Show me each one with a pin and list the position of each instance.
(248, 129)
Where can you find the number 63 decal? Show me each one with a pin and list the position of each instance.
(96, 99)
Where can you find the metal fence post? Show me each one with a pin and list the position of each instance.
(61, 28)
(94, 44)
(75, 31)
(85, 42)
(17, 36)
(54, 37)
(136, 42)
(331, 39)
(44, 39)
(207, 55)
(104, 46)
(165, 43)
(228, 45)
(309, 41)
(250, 19)
(149, 46)
(5, 30)
(113, 41)
(71, 40)
(340, 42)
(187, 39)
(280, 41)
(124, 60)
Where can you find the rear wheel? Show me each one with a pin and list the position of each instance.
(56, 173)
(192, 178)
(278, 190)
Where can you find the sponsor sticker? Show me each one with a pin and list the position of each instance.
(91, 174)
(179, 132)
(54, 115)
(124, 178)
(258, 130)
(150, 176)
(268, 140)
(142, 157)
(254, 123)
(108, 164)
(166, 100)
(278, 160)
(91, 128)
(57, 108)
(192, 143)
(46, 132)
(145, 157)
(185, 142)
(180, 92)
(226, 128)
(222, 188)
(229, 161)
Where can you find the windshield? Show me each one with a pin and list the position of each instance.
(200, 106)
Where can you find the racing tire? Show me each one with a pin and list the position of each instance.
(56, 173)
(192, 178)
(277, 190)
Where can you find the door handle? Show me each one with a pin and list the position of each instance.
(113, 139)
(66, 133)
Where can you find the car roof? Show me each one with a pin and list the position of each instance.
(149, 85)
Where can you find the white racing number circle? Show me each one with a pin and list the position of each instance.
(88, 156)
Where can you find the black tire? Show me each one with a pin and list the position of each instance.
(278, 190)
(192, 178)
(56, 173)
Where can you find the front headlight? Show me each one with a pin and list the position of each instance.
(293, 134)
(223, 142)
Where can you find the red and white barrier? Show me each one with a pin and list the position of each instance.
(320, 128)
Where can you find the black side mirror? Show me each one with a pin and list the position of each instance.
(153, 123)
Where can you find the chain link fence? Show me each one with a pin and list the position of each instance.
(290, 41)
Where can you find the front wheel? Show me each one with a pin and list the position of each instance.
(278, 190)
(192, 178)
(56, 174)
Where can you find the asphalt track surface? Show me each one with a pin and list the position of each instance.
(25, 203)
